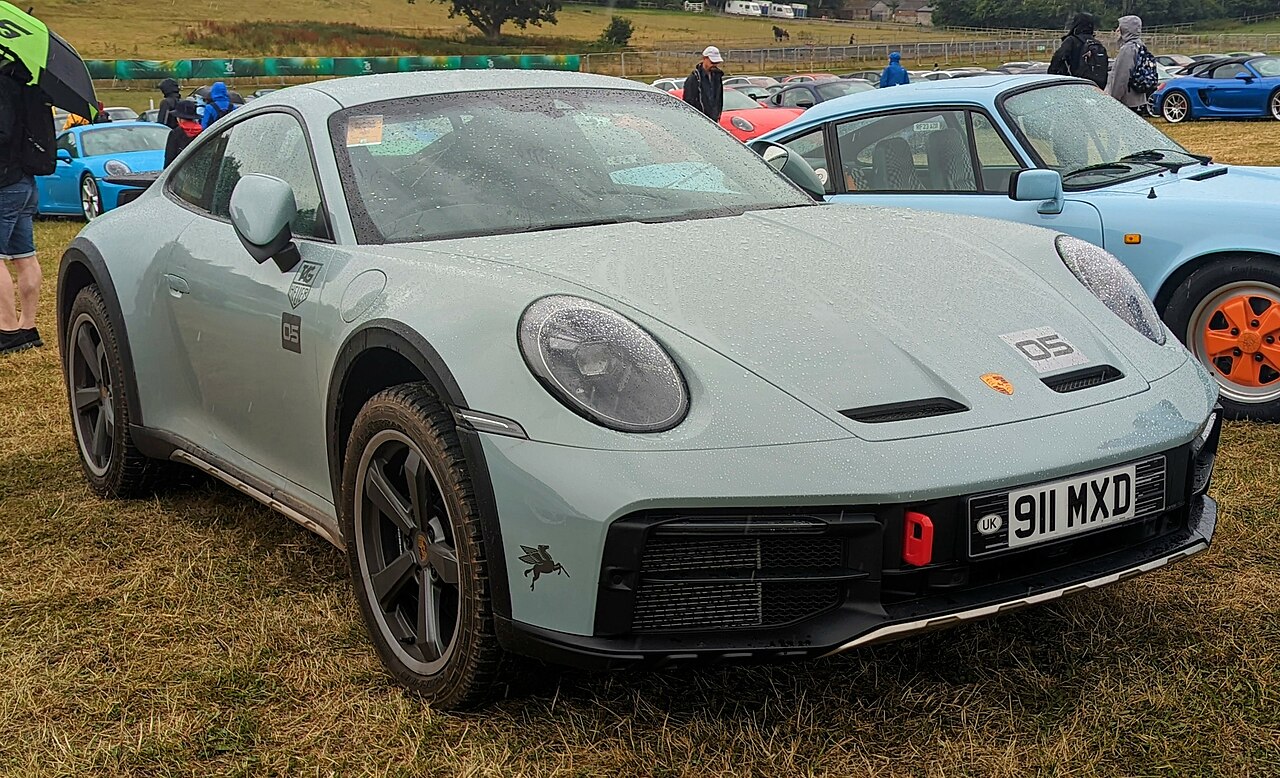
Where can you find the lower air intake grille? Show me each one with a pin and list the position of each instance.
(698, 583)
(915, 409)
(1083, 379)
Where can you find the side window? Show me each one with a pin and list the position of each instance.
(792, 98)
(273, 144)
(1228, 71)
(812, 146)
(908, 152)
(995, 160)
(190, 182)
(67, 142)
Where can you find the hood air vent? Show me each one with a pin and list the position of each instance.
(1083, 379)
(905, 411)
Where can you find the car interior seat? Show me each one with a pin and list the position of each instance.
(950, 164)
(893, 166)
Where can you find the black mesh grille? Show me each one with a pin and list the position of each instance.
(678, 588)
(915, 409)
(1083, 379)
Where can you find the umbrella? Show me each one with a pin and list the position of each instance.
(53, 63)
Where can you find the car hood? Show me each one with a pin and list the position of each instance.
(848, 307)
(138, 161)
(1223, 184)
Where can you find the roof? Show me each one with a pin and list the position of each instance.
(358, 90)
(976, 90)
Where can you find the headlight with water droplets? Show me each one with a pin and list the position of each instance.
(742, 124)
(115, 167)
(602, 365)
(1113, 284)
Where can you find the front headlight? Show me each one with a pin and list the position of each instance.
(115, 167)
(742, 124)
(602, 365)
(1113, 284)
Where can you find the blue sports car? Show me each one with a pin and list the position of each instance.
(1228, 88)
(1058, 153)
(88, 155)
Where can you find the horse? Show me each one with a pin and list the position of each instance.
(780, 34)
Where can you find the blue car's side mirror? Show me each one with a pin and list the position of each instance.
(1042, 185)
(64, 156)
(1244, 76)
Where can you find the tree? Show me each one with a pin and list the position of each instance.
(488, 16)
(618, 33)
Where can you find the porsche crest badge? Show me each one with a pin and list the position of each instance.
(998, 382)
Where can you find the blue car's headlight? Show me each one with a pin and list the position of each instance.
(602, 365)
(1113, 284)
(115, 167)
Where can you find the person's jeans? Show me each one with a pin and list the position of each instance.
(17, 214)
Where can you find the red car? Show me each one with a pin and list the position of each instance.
(745, 118)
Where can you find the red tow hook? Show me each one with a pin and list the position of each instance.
(917, 539)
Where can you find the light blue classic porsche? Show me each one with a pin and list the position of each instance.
(569, 372)
(1058, 153)
(89, 156)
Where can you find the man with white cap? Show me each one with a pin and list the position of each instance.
(704, 88)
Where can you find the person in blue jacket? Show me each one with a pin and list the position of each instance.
(895, 74)
(217, 106)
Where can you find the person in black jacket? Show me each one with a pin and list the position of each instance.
(704, 88)
(188, 127)
(17, 214)
(172, 94)
(1066, 59)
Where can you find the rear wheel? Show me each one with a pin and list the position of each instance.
(90, 198)
(98, 395)
(415, 548)
(1228, 314)
(1274, 103)
(1176, 107)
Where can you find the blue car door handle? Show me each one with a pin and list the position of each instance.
(177, 285)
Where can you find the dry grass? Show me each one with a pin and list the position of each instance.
(199, 634)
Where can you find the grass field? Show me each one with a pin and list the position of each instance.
(197, 633)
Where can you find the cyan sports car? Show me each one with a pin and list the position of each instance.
(91, 154)
(1101, 174)
(1231, 88)
(569, 372)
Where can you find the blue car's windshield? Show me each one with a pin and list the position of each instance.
(1267, 67)
(122, 140)
(483, 163)
(1086, 135)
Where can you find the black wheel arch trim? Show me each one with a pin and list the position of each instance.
(83, 254)
(1182, 272)
(413, 347)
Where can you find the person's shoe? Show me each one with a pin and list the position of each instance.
(32, 336)
(12, 341)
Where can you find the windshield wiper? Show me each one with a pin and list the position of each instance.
(574, 224)
(1099, 166)
(1157, 157)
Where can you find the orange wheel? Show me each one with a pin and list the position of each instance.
(1235, 331)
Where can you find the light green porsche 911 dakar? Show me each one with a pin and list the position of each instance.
(569, 372)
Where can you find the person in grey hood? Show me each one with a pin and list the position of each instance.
(1129, 29)
(172, 94)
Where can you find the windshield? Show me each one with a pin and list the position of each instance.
(738, 101)
(1071, 127)
(1267, 67)
(483, 163)
(122, 140)
(833, 89)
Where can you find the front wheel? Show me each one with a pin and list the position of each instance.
(416, 550)
(1228, 315)
(1274, 103)
(1175, 108)
(90, 198)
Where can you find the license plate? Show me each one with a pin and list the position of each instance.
(1042, 513)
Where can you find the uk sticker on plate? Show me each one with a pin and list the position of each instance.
(1045, 349)
(1050, 511)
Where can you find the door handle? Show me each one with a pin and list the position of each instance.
(177, 285)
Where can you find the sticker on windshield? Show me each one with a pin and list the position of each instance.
(932, 126)
(364, 131)
(1045, 349)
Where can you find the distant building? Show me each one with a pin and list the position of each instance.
(907, 11)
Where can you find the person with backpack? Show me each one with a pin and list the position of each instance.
(181, 136)
(1134, 76)
(1081, 54)
(217, 106)
(26, 150)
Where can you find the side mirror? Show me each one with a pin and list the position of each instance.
(1244, 76)
(1042, 185)
(262, 208)
(63, 156)
(804, 104)
(793, 166)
